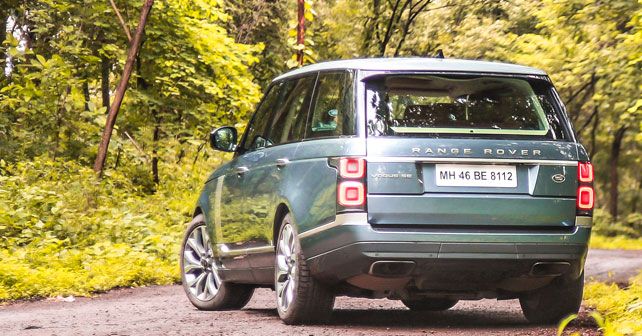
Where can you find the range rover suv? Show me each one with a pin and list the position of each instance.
(422, 180)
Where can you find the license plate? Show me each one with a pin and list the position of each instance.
(455, 175)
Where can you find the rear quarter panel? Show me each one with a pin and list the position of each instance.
(311, 186)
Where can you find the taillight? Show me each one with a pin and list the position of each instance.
(585, 198)
(351, 194)
(351, 183)
(352, 168)
(585, 191)
(585, 172)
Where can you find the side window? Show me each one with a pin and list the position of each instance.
(255, 134)
(333, 113)
(288, 122)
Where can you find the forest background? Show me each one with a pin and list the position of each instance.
(205, 63)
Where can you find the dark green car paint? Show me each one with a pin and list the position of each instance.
(408, 217)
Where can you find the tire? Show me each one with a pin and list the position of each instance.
(299, 297)
(435, 304)
(199, 275)
(553, 302)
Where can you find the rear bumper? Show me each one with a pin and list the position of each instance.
(348, 248)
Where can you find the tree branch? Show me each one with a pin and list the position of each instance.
(119, 94)
(582, 88)
(140, 150)
(389, 27)
(588, 121)
(122, 22)
(411, 18)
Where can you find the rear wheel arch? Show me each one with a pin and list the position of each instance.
(197, 211)
(280, 213)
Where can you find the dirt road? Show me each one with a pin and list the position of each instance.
(164, 310)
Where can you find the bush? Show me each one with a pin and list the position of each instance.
(63, 231)
(618, 242)
(621, 307)
(630, 226)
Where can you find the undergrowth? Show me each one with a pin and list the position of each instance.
(63, 231)
(620, 307)
(617, 242)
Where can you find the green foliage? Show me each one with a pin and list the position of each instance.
(66, 232)
(621, 307)
(309, 55)
(263, 22)
(38, 109)
(190, 75)
(618, 242)
(629, 226)
(599, 320)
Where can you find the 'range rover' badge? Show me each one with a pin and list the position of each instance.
(559, 178)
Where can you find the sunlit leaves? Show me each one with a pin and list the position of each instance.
(63, 231)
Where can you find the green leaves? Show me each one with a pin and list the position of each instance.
(564, 323)
(191, 75)
(619, 310)
(63, 231)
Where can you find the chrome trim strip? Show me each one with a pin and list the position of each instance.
(357, 218)
(469, 160)
(583, 221)
(225, 250)
(499, 233)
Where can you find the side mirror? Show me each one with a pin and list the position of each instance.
(224, 139)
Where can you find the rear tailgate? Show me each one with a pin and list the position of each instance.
(471, 182)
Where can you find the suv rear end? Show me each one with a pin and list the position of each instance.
(473, 186)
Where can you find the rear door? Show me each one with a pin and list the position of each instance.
(234, 236)
(468, 151)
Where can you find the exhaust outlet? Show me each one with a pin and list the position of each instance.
(550, 268)
(391, 268)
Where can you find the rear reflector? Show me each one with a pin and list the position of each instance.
(352, 168)
(585, 172)
(585, 198)
(351, 193)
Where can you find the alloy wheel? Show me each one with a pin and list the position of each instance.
(286, 276)
(199, 267)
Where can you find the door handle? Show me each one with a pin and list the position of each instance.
(241, 170)
(282, 162)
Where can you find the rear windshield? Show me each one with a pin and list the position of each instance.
(471, 105)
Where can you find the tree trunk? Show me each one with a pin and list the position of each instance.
(636, 197)
(616, 147)
(300, 29)
(596, 124)
(122, 87)
(104, 81)
(85, 91)
(155, 139)
(117, 163)
(4, 17)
